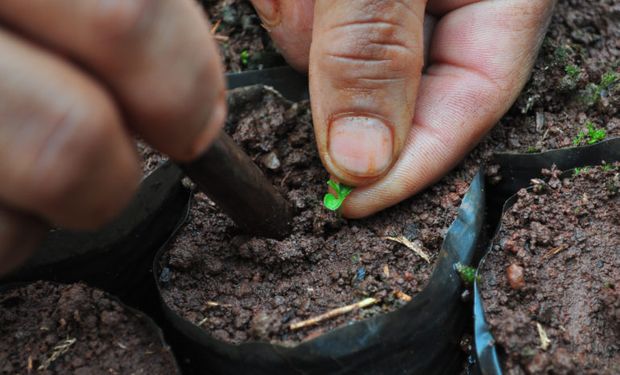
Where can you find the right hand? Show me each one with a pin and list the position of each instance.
(78, 78)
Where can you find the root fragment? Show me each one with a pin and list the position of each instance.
(415, 248)
(333, 313)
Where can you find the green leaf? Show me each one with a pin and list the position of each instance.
(467, 273)
(331, 202)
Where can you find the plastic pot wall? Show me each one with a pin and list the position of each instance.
(118, 258)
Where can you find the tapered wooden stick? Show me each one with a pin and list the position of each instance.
(232, 180)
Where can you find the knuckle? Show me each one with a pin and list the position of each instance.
(122, 18)
(371, 50)
(65, 156)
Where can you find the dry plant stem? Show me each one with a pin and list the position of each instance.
(555, 251)
(416, 249)
(230, 178)
(334, 313)
(59, 350)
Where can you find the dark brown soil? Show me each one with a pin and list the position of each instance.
(564, 237)
(244, 43)
(149, 157)
(72, 329)
(555, 105)
(263, 285)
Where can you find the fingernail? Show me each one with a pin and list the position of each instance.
(361, 146)
(267, 11)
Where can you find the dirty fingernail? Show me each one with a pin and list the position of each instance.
(268, 11)
(361, 146)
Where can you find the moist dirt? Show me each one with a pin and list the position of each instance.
(556, 263)
(73, 329)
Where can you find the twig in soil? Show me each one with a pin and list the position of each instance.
(544, 339)
(415, 248)
(200, 323)
(217, 304)
(59, 350)
(555, 251)
(402, 296)
(29, 366)
(333, 313)
(215, 26)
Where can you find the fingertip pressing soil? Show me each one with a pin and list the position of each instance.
(565, 91)
(243, 289)
(73, 329)
(244, 43)
(556, 262)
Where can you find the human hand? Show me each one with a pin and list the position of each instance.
(380, 123)
(78, 76)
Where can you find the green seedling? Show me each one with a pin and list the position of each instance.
(579, 170)
(532, 150)
(467, 273)
(572, 71)
(591, 136)
(609, 79)
(593, 91)
(245, 57)
(332, 202)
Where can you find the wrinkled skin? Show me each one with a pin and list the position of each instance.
(83, 75)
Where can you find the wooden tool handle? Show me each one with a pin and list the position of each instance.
(232, 180)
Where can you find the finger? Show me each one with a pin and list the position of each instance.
(19, 236)
(477, 70)
(365, 65)
(289, 23)
(64, 154)
(157, 56)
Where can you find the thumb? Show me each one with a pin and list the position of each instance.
(366, 60)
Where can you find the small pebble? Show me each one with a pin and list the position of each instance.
(514, 273)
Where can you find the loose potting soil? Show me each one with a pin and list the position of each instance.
(243, 289)
(149, 157)
(554, 272)
(73, 329)
(244, 43)
(575, 82)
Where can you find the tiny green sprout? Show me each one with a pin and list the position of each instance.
(532, 149)
(467, 273)
(579, 170)
(606, 167)
(609, 79)
(245, 57)
(572, 70)
(332, 202)
(591, 136)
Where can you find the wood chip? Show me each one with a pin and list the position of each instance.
(402, 296)
(544, 339)
(415, 248)
(386, 270)
(333, 313)
(215, 26)
(200, 323)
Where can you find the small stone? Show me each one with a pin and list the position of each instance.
(514, 273)
(408, 276)
(271, 161)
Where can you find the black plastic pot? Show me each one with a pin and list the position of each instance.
(422, 337)
(140, 315)
(117, 258)
(517, 172)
